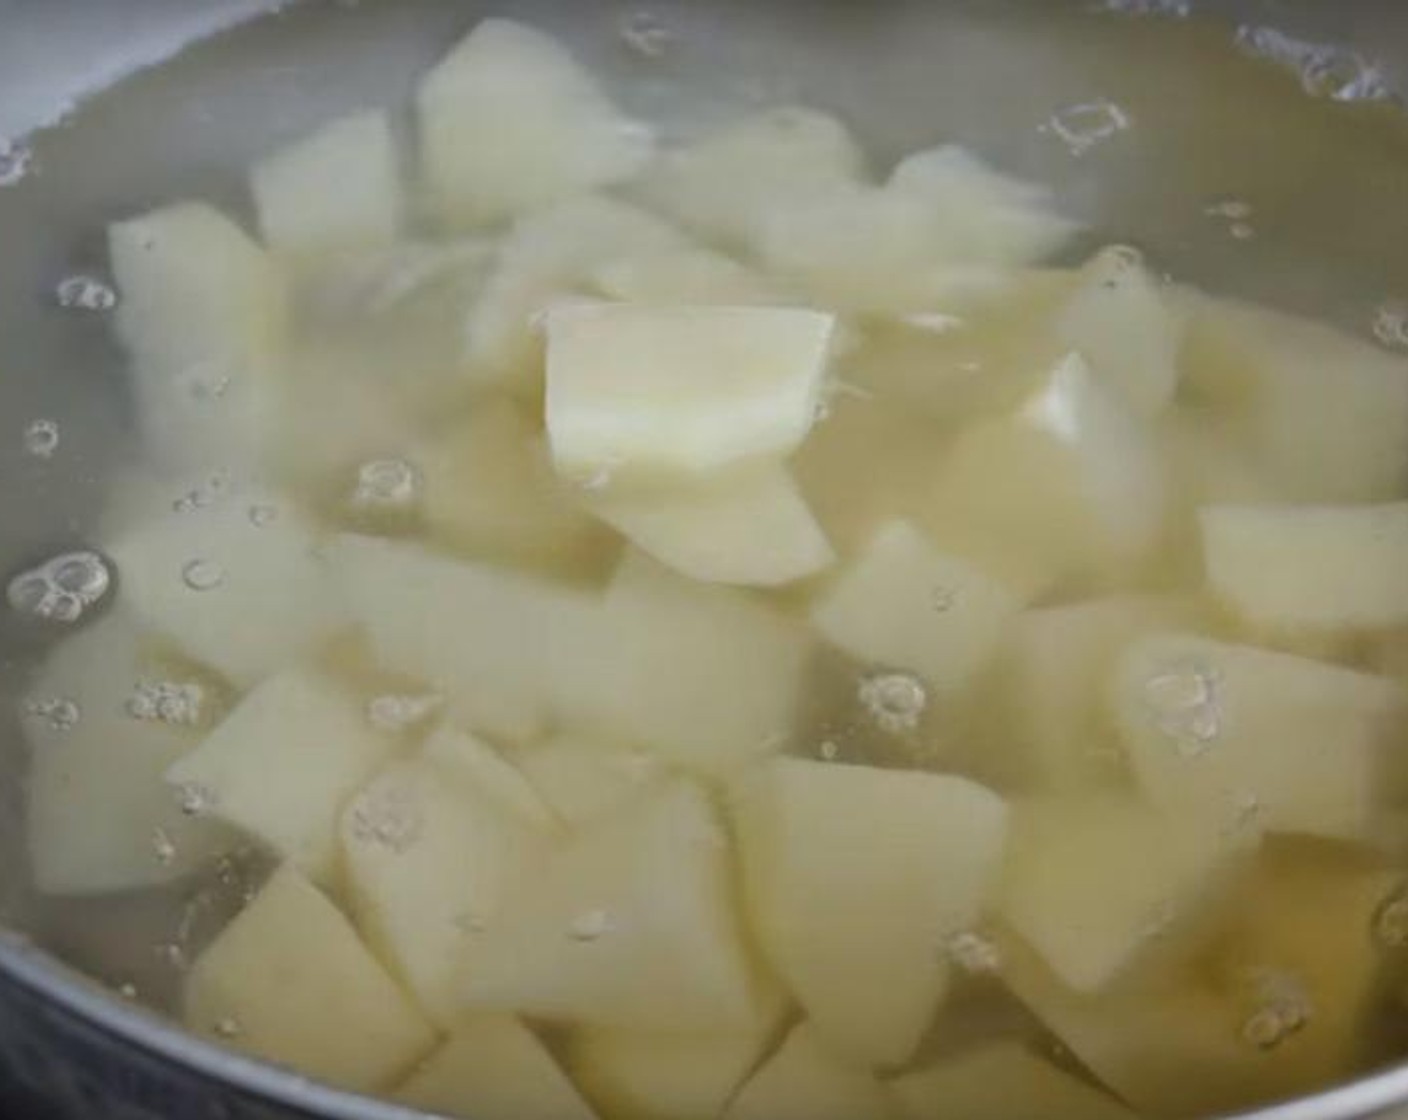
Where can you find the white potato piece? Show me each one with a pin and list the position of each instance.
(288, 981)
(203, 317)
(1120, 322)
(724, 184)
(1072, 477)
(237, 585)
(751, 528)
(103, 718)
(905, 604)
(427, 854)
(472, 760)
(685, 275)
(1097, 883)
(494, 1068)
(280, 766)
(998, 1081)
(336, 190)
(581, 781)
(1310, 567)
(564, 137)
(1209, 463)
(1217, 733)
(680, 391)
(855, 878)
(802, 1081)
(630, 924)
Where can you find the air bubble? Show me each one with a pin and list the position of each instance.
(1185, 705)
(128, 991)
(170, 702)
(203, 575)
(207, 494)
(228, 1028)
(388, 816)
(15, 162)
(828, 751)
(645, 34)
(1324, 71)
(85, 293)
(932, 322)
(591, 926)
(193, 798)
(1085, 126)
(388, 485)
(895, 701)
(41, 439)
(1391, 325)
(1281, 1008)
(57, 713)
(261, 516)
(471, 923)
(1391, 921)
(1168, 9)
(973, 953)
(62, 589)
(943, 599)
(395, 713)
(163, 847)
(206, 381)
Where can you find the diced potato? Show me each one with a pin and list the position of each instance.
(335, 190)
(428, 855)
(1098, 883)
(1224, 733)
(1120, 322)
(684, 275)
(999, 1081)
(582, 781)
(680, 391)
(289, 982)
(202, 317)
(804, 1082)
(489, 488)
(751, 528)
(103, 718)
(723, 185)
(471, 759)
(1073, 477)
(630, 924)
(904, 604)
(283, 762)
(1310, 567)
(1325, 413)
(494, 1068)
(1210, 464)
(237, 585)
(565, 138)
(855, 878)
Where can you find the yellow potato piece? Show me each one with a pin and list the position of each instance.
(802, 1081)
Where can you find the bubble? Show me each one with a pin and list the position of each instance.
(1324, 71)
(171, 954)
(15, 162)
(1390, 923)
(1185, 705)
(205, 381)
(261, 515)
(195, 799)
(895, 701)
(591, 926)
(943, 599)
(203, 575)
(1391, 325)
(62, 589)
(228, 1027)
(932, 322)
(828, 751)
(395, 713)
(973, 953)
(1168, 9)
(1085, 126)
(163, 847)
(386, 485)
(1280, 1008)
(176, 703)
(471, 923)
(128, 991)
(207, 494)
(57, 713)
(389, 815)
(645, 33)
(84, 293)
(1234, 209)
(41, 439)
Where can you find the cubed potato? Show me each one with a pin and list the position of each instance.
(494, 1068)
(724, 184)
(288, 981)
(1099, 883)
(237, 585)
(650, 392)
(281, 764)
(1326, 414)
(999, 1081)
(428, 854)
(1310, 567)
(685, 275)
(335, 190)
(1073, 477)
(904, 604)
(202, 316)
(630, 924)
(751, 528)
(473, 760)
(855, 878)
(104, 717)
(1121, 323)
(1224, 733)
(566, 136)
(581, 781)
(802, 1081)
(1208, 463)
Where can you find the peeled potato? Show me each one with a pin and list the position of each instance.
(684, 275)
(803, 1081)
(581, 781)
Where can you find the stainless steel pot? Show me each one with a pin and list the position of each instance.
(1329, 178)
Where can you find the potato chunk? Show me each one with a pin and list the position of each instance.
(1310, 567)
(1221, 733)
(288, 981)
(581, 781)
(855, 879)
(644, 392)
(565, 138)
(802, 1081)
(630, 924)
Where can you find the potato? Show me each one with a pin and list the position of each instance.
(1324, 413)
(1210, 464)
(724, 184)
(471, 759)
(751, 528)
(1233, 734)
(289, 982)
(280, 766)
(567, 137)
(684, 275)
(630, 924)
(680, 392)
(1098, 883)
(1313, 568)
(236, 585)
(582, 781)
(905, 605)
(855, 878)
(103, 718)
(335, 190)
(802, 1081)
(998, 1081)
(203, 318)
(428, 856)
(493, 1068)
(1121, 323)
